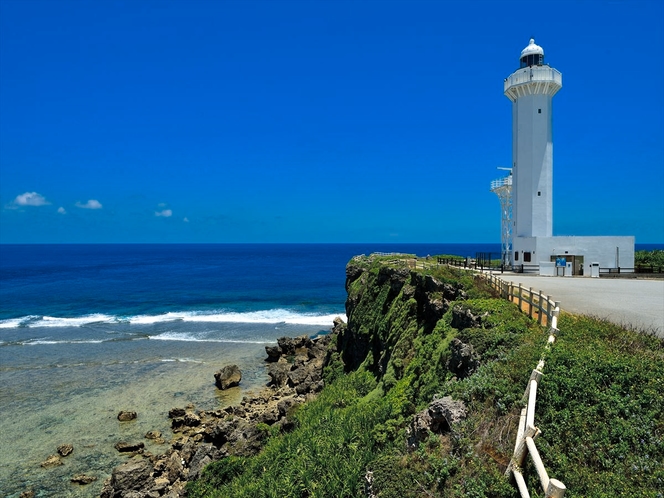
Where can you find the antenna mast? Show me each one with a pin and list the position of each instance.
(503, 189)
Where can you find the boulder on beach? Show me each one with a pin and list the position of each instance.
(176, 412)
(52, 461)
(125, 416)
(65, 449)
(83, 479)
(124, 447)
(227, 377)
(131, 476)
(153, 435)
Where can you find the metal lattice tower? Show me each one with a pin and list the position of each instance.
(503, 189)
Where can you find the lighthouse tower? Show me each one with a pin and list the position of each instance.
(531, 89)
(526, 196)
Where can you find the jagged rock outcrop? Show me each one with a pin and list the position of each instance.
(202, 437)
(227, 377)
(463, 318)
(377, 294)
(463, 362)
(438, 417)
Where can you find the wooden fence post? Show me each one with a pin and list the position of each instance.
(539, 307)
(556, 489)
(530, 299)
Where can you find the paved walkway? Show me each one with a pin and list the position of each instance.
(632, 302)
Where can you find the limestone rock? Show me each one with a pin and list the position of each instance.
(65, 449)
(273, 353)
(124, 447)
(463, 361)
(153, 435)
(278, 373)
(438, 417)
(132, 475)
(463, 318)
(227, 377)
(52, 461)
(125, 416)
(176, 412)
(83, 479)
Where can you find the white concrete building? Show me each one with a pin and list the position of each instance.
(531, 89)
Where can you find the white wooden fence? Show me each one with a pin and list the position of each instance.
(547, 311)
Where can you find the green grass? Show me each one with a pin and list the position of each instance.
(600, 408)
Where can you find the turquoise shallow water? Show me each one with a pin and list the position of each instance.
(76, 401)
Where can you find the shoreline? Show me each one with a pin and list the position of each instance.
(202, 436)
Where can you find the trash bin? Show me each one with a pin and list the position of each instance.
(594, 270)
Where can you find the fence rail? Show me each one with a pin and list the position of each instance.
(651, 269)
(547, 310)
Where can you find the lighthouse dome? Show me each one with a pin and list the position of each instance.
(532, 55)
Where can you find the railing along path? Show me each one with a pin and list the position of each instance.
(547, 311)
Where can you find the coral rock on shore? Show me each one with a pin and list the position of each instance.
(125, 416)
(65, 449)
(227, 377)
(124, 447)
(205, 436)
(52, 461)
(83, 479)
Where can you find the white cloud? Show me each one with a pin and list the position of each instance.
(91, 204)
(30, 199)
(165, 213)
(62, 210)
(186, 220)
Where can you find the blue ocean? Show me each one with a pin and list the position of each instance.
(89, 330)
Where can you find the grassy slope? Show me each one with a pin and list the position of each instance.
(601, 410)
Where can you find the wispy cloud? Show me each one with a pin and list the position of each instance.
(166, 213)
(91, 204)
(30, 199)
(62, 210)
(186, 220)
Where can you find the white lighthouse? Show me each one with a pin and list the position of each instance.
(527, 195)
(531, 89)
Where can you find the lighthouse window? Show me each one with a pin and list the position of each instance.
(539, 194)
(526, 257)
(539, 111)
(532, 60)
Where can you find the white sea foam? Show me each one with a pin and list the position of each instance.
(40, 342)
(181, 360)
(273, 316)
(188, 337)
(51, 321)
(264, 316)
(11, 323)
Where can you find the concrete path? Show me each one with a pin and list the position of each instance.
(631, 302)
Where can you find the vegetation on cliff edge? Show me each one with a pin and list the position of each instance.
(600, 407)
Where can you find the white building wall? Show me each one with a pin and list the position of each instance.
(608, 251)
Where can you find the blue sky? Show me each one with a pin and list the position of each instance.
(318, 121)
